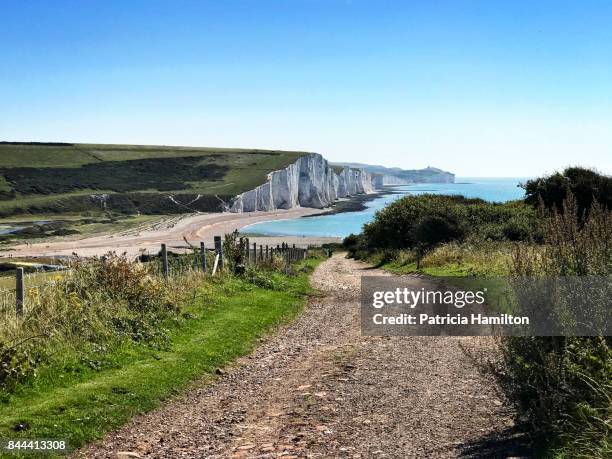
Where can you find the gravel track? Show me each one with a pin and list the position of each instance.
(318, 388)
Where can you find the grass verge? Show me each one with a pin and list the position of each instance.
(482, 259)
(225, 320)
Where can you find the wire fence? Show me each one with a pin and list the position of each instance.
(33, 285)
(237, 253)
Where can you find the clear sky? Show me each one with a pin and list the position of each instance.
(480, 88)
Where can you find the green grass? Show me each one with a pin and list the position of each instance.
(48, 207)
(7, 282)
(42, 156)
(163, 174)
(470, 267)
(483, 259)
(227, 318)
(247, 167)
(73, 155)
(447, 270)
(82, 226)
(45, 178)
(4, 185)
(98, 223)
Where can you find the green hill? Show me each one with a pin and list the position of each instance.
(65, 178)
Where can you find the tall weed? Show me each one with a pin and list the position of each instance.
(97, 305)
(562, 386)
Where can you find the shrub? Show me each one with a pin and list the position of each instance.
(435, 229)
(518, 229)
(99, 303)
(351, 242)
(355, 245)
(235, 251)
(562, 386)
(16, 364)
(431, 219)
(586, 185)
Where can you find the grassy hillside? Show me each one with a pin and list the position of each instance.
(62, 178)
(110, 339)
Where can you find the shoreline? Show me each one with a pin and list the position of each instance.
(343, 205)
(174, 232)
(193, 228)
(353, 204)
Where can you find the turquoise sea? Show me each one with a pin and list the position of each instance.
(342, 224)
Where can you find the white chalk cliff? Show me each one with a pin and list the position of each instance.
(309, 182)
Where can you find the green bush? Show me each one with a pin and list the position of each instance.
(356, 246)
(562, 386)
(16, 364)
(431, 219)
(585, 185)
(436, 229)
(351, 242)
(235, 251)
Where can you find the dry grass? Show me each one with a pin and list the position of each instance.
(477, 258)
(99, 303)
(562, 385)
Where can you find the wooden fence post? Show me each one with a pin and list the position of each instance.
(267, 257)
(164, 253)
(19, 292)
(215, 264)
(248, 253)
(219, 251)
(203, 255)
(254, 253)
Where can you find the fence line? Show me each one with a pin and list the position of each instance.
(174, 264)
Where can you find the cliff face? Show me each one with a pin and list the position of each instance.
(309, 182)
(427, 175)
(378, 181)
(397, 176)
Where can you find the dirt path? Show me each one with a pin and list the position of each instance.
(320, 389)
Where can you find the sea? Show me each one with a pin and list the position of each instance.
(342, 224)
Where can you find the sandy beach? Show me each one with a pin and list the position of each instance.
(174, 232)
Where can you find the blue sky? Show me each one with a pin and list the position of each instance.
(481, 88)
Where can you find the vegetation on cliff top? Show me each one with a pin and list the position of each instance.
(59, 178)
